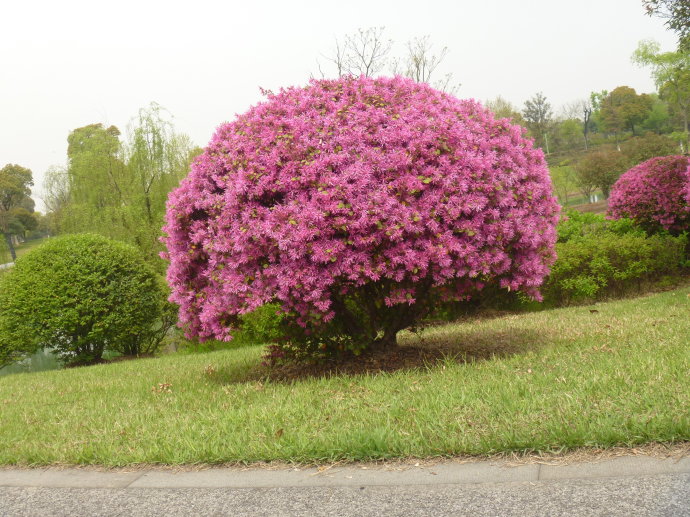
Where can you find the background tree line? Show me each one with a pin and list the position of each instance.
(118, 186)
(589, 142)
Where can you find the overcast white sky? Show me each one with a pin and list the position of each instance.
(71, 63)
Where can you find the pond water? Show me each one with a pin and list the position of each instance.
(41, 361)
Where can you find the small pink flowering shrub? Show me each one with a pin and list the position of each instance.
(357, 205)
(654, 195)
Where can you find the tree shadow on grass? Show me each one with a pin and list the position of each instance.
(416, 351)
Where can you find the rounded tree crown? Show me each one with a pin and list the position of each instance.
(384, 186)
(654, 194)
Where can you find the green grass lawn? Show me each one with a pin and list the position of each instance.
(546, 381)
(27, 246)
(20, 250)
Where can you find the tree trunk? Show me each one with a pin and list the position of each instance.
(388, 342)
(149, 215)
(10, 245)
(606, 191)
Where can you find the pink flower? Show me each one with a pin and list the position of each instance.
(655, 193)
(383, 186)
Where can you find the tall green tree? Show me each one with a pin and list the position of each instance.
(671, 73)
(119, 188)
(623, 109)
(95, 178)
(156, 158)
(16, 205)
(537, 114)
(601, 169)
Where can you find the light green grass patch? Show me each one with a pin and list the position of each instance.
(542, 381)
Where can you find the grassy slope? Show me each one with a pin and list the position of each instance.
(559, 379)
(20, 250)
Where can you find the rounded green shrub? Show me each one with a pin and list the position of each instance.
(80, 295)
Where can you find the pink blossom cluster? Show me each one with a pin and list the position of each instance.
(322, 190)
(655, 193)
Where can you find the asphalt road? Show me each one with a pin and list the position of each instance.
(620, 487)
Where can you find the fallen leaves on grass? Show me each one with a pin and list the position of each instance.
(163, 387)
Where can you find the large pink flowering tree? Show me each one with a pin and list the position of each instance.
(654, 194)
(357, 204)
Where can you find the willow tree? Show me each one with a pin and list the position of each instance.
(118, 188)
(156, 158)
(95, 176)
(671, 73)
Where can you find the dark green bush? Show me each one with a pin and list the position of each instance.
(150, 342)
(261, 326)
(80, 295)
(607, 264)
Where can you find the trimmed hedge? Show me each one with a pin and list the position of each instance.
(599, 258)
(578, 225)
(80, 295)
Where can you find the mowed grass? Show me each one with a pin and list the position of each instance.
(544, 381)
(20, 250)
(26, 247)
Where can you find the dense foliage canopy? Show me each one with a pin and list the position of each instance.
(79, 294)
(357, 204)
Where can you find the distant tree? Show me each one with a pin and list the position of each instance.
(420, 63)
(96, 176)
(566, 134)
(24, 219)
(56, 196)
(677, 16)
(671, 73)
(565, 181)
(641, 148)
(587, 109)
(623, 109)
(367, 53)
(15, 204)
(537, 114)
(659, 118)
(118, 188)
(364, 52)
(502, 108)
(156, 158)
(586, 182)
(601, 169)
